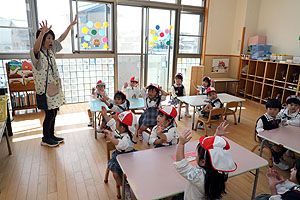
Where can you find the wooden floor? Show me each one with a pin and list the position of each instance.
(75, 169)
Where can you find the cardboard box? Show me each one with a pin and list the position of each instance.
(257, 39)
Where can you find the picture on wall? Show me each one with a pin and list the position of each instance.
(220, 65)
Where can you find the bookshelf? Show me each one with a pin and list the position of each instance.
(21, 89)
(265, 79)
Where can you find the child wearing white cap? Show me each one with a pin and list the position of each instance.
(123, 130)
(178, 90)
(207, 179)
(132, 90)
(165, 132)
(291, 114)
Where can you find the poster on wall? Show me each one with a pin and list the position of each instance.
(220, 65)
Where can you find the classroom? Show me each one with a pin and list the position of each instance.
(149, 99)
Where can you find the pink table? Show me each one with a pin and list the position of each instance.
(152, 170)
(287, 136)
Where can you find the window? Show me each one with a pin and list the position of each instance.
(193, 2)
(190, 39)
(129, 29)
(94, 26)
(59, 21)
(183, 63)
(163, 1)
(128, 66)
(14, 28)
(80, 75)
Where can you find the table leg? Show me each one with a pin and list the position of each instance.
(123, 187)
(95, 124)
(179, 111)
(193, 118)
(255, 184)
(7, 140)
(226, 83)
(240, 113)
(261, 147)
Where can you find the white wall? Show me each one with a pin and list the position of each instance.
(221, 19)
(279, 20)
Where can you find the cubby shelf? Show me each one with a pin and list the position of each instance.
(265, 79)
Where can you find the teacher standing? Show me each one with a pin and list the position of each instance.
(45, 70)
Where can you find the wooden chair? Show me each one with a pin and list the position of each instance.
(209, 120)
(109, 147)
(258, 141)
(230, 109)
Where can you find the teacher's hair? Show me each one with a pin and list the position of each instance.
(44, 38)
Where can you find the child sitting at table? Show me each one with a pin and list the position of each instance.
(206, 83)
(132, 91)
(100, 87)
(178, 90)
(152, 98)
(118, 105)
(281, 188)
(271, 120)
(212, 102)
(165, 132)
(291, 114)
(207, 179)
(123, 130)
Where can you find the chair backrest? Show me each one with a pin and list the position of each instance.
(109, 147)
(216, 111)
(232, 105)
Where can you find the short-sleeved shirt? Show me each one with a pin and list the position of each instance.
(39, 70)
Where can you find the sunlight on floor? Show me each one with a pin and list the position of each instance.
(30, 137)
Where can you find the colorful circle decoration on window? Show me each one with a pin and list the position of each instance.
(157, 27)
(167, 31)
(161, 34)
(85, 30)
(104, 40)
(169, 37)
(152, 32)
(89, 24)
(87, 38)
(168, 43)
(97, 25)
(102, 32)
(94, 32)
(151, 43)
(155, 38)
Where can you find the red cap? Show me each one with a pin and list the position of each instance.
(220, 157)
(169, 110)
(210, 89)
(100, 83)
(154, 85)
(134, 79)
(128, 118)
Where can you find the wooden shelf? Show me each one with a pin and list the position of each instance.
(267, 79)
(19, 90)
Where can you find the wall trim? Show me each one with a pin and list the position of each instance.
(222, 55)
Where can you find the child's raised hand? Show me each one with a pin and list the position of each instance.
(125, 85)
(107, 134)
(102, 99)
(93, 90)
(185, 136)
(159, 129)
(221, 129)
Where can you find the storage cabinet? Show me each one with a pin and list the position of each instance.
(22, 95)
(196, 74)
(265, 79)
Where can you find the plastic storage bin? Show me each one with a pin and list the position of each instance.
(3, 107)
